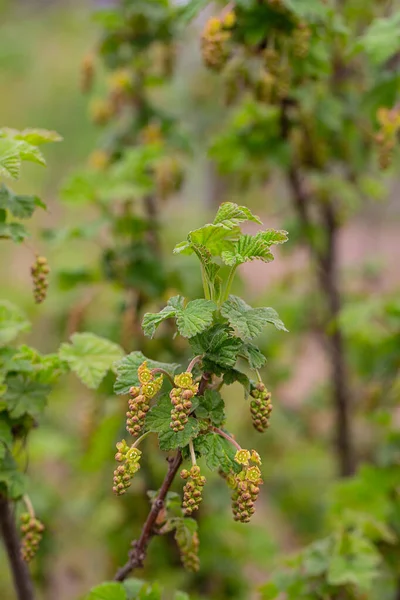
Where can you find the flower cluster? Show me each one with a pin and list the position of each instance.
(189, 548)
(40, 271)
(32, 530)
(260, 407)
(130, 457)
(181, 397)
(301, 40)
(139, 401)
(246, 485)
(193, 489)
(214, 40)
(389, 121)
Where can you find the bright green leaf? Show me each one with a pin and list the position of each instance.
(126, 370)
(107, 591)
(253, 355)
(12, 322)
(219, 452)
(219, 346)
(230, 215)
(90, 357)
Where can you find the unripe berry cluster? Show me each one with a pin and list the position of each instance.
(246, 485)
(214, 40)
(40, 271)
(87, 73)
(181, 397)
(301, 40)
(188, 548)
(192, 492)
(260, 407)
(130, 457)
(32, 530)
(139, 401)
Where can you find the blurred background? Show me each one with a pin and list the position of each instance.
(88, 530)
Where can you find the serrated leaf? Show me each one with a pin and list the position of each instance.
(247, 249)
(126, 370)
(24, 395)
(90, 357)
(249, 322)
(253, 355)
(218, 452)
(107, 591)
(191, 319)
(355, 562)
(21, 207)
(211, 406)
(10, 159)
(158, 419)
(214, 238)
(218, 345)
(230, 215)
(12, 481)
(12, 322)
(36, 137)
(13, 231)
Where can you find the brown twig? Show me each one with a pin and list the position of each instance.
(139, 548)
(326, 260)
(21, 576)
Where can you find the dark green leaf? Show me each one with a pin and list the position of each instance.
(211, 406)
(21, 207)
(158, 419)
(254, 356)
(25, 396)
(249, 322)
(218, 345)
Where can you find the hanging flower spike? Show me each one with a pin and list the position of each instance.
(188, 549)
(139, 401)
(181, 398)
(40, 271)
(192, 492)
(123, 474)
(260, 407)
(246, 486)
(32, 530)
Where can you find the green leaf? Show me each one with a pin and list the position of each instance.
(316, 557)
(246, 249)
(233, 375)
(21, 207)
(253, 355)
(219, 453)
(12, 322)
(249, 322)
(6, 437)
(191, 9)
(218, 344)
(216, 239)
(133, 587)
(25, 396)
(90, 357)
(12, 481)
(230, 215)
(191, 319)
(13, 152)
(13, 231)
(355, 562)
(211, 406)
(107, 591)
(36, 137)
(181, 596)
(381, 40)
(269, 591)
(158, 419)
(126, 370)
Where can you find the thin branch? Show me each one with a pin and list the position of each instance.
(226, 436)
(21, 576)
(164, 372)
(139, 549)
(194, 362)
